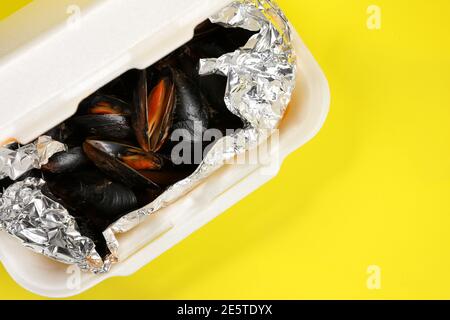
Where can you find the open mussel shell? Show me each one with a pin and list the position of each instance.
(64, 162)
(153, 110)
(122, 162)
(166, 100)
(101, 104)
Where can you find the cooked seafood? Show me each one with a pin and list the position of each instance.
(65, 162)
(154, 112)
(119, 141)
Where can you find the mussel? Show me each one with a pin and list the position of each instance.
(153, 112)
(91, 193)
(100, 104)
(211, 41)
(102, 116)
(191, 110)
(94, 200)
(64, 162)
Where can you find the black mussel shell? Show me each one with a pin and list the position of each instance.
(93, 200)
(191, 108)
(213, 89)
(62, 133)
(153, 111)
(64, 162)
(107, 127)
(168, 176)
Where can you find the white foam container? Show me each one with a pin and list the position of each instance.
(49, 62)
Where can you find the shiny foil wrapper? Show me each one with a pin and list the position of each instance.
(45, 226)
(261, 79)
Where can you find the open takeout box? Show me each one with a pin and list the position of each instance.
(50, 60)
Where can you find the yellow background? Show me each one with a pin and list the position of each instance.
(373, 188)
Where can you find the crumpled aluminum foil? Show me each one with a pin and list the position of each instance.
(261, 78)
(15, 163)
(44, 226)
(40, 223)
